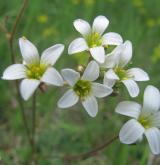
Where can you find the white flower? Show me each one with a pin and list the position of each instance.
(93, 40)
(83, 88)
(35, 70)
(116, 61)
(146, 119)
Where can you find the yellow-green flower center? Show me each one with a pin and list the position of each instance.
(94, 39)
(35, 71)
(145, 121)
(122, 73)
(82, 88)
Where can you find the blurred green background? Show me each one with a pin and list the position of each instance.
(72, 131)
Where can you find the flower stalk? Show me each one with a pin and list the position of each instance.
(92, 152)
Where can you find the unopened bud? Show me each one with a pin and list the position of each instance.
(80, 68)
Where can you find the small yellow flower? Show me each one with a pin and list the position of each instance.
(75, 2)
(151, 23)
(42, 19)
(50, 31)
(89, 2)
(156, 54)
(138, 3)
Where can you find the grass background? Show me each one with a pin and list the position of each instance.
(72, 131)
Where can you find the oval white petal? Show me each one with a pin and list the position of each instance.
(82, 27)
(28, 51)
(70, 76)
(151, 100)
(77, 45)
(129, 108)
(112, 38)
(68, 99)
(28, 87)
(131, 132)
(138, 74)
(52, 54)
(91, 106)
(153, 137)
(110, 74)
(100, 24)
(15, 71)
(100, 90)
(52, 76)
(126, 54)
(98, 54)
(112, 59)
(155, 119)
(91, 72)
(109, 82)
(132, 87)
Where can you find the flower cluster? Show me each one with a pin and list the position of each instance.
(102, 76)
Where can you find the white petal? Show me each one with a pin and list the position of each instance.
(91, 72)
(52, 76)
(98, 54)
(138, 74)
(153, 137)
(126, 54)
(82, 27)
(100, 90)
(28, 87)
(100, 24)
(112, 59)
(70, 76)
(52, 54)
(109, 82)
(15, 71)
(112, 39)
(110, 74)
(129, 108)
(77, 45)
(156, 119)
(151, 100)
(91, 106)
(68, 99)
(131, 132)
(28, 51)
(132, 87)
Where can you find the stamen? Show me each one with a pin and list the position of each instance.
(94, 39)
(122, 73)
(35, 71)
(82, 88)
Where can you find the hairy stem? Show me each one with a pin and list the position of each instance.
(14, 28)
(34, 129)
(10, 39)
(92, 152)
(20, 101)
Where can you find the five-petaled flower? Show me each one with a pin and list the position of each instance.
(116, 62)
(93, 40)
(146, 119)
(35, 70)
(83, 88)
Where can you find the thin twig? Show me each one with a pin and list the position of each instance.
(10, 39)
(14, 28)
(34, 129)
(20, 101)
(90, 153)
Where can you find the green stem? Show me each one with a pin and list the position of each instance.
(90, 153)
(10, 39)
(14, 28)
(20, 101)
(34, 129)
